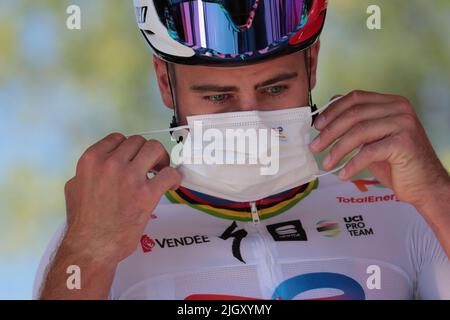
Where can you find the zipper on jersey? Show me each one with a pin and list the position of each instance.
(254, 211)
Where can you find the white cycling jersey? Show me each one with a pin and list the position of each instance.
(324, 240)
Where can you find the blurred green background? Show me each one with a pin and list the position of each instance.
(61, 90)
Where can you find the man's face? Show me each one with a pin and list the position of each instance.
(275, 84)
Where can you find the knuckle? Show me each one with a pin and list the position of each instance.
(355, 95)
(326, 132)
(337, 149)
(401, 141)
(369, 150)
(409, 122)
(116, 136)
(137, 139)
(155, 146)
(404, 103)
(360, 127)
(88, 158)
(353, 113)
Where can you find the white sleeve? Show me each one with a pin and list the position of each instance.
(431, 264)
(46, 261)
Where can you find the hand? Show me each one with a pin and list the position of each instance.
(395, 147)
(110, 200)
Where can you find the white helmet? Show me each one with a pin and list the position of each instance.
(229, 32)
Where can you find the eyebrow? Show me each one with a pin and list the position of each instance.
(213, 88)
(216, 88)
(277, 78)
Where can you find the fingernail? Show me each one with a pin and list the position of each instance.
(320, 121)
(315, 143)
(327, 161)
(342, 173)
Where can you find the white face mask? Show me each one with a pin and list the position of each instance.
(278, 160)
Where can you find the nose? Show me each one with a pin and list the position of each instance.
(248, 102)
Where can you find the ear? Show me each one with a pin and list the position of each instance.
(313, 61)
(163, 81)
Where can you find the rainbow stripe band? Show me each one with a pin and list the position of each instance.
(240, 211)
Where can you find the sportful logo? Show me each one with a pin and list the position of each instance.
(287, 231)
(141, 14)
(328, 228)
(237, 236)
(148, 243)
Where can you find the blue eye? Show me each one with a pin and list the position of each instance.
(276, 90)
(217, 98)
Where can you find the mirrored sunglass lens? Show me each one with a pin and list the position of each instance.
(235, 26)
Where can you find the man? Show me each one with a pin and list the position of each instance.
(325, 238)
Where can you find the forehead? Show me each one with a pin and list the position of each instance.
(240, 75)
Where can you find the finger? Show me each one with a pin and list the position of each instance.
(353, 98)
(151, 156)
(364, 132)
(375, 152)
(336, 96)
(128, 149)
(98, 151)
(350, 118)
(68, 187)
(107, 144)
(167, 179)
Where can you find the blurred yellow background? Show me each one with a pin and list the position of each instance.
(61, 90)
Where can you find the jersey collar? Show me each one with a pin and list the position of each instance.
(241, 211)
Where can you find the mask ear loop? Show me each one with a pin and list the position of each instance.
(325, 106)
(171, 130)
(308, 74)
(174, 122)
(338, 168)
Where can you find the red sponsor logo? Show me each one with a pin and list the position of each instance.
(147, 243)
(367, 199)
(362, 184)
